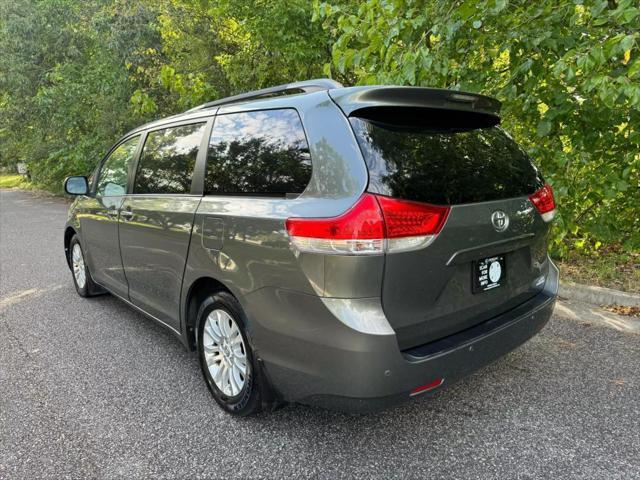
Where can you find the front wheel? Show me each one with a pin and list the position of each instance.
(81, 276)
(226, 357)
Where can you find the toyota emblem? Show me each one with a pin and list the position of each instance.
(500, 220)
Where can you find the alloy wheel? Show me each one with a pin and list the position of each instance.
(225, 352)
(77, 260)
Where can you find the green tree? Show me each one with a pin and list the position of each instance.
(64, 87)
(76, 74)
(213, 49)
(568, 73)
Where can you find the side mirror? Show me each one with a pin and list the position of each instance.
(76, 185)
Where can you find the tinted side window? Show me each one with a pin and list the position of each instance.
(112, 180)
(167, 160)
(260, 153)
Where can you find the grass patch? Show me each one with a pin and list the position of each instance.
(13, 181)
(610, 267)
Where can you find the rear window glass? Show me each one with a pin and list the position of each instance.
(258, 153)
(444, 167)
(167, 160)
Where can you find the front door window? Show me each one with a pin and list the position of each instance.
(114, 173)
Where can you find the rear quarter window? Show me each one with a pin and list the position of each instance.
(258, 153)
(447, 166)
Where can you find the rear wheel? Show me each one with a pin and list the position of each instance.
(81, 277)
(226, 357)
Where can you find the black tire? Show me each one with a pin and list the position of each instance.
(89, 289)
(249, 400)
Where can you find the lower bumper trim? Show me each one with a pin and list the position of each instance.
(477, 332)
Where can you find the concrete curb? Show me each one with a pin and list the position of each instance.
(585, 313)
(597, 295)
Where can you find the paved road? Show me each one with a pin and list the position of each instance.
(91, 388)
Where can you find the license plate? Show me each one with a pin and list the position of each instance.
(488, 273)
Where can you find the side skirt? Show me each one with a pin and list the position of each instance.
(148, 315)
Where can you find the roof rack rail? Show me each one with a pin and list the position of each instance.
(305, 86)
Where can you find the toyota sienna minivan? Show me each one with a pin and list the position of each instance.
(343, 247)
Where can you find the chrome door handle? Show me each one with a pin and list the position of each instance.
(127, 214)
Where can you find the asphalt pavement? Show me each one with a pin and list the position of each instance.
(90, 388)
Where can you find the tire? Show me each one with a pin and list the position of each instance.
(80, 271)
(222, 353)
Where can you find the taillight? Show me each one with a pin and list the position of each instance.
(358, 231)
(374, 225)
(543, 200)
(411, 225)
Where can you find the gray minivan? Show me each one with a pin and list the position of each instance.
(344, 247)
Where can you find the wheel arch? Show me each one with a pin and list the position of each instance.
(69, 232)
(198, 291)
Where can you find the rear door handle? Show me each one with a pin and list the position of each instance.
(126, 214)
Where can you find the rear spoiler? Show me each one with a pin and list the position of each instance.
(357, 101)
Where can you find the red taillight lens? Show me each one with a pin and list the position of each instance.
(375, 224)
(363, 220)
(358, 231)
(544, 202)
(406, 219)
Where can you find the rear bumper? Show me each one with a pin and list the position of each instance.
(311, 357)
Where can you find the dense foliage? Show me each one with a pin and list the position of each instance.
(74, 75)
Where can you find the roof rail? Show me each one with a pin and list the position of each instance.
(305, 86)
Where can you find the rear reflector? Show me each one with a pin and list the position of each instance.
(544, 202)
(374, 225)
(425, 388)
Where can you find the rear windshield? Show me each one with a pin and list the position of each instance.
(444, 167)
